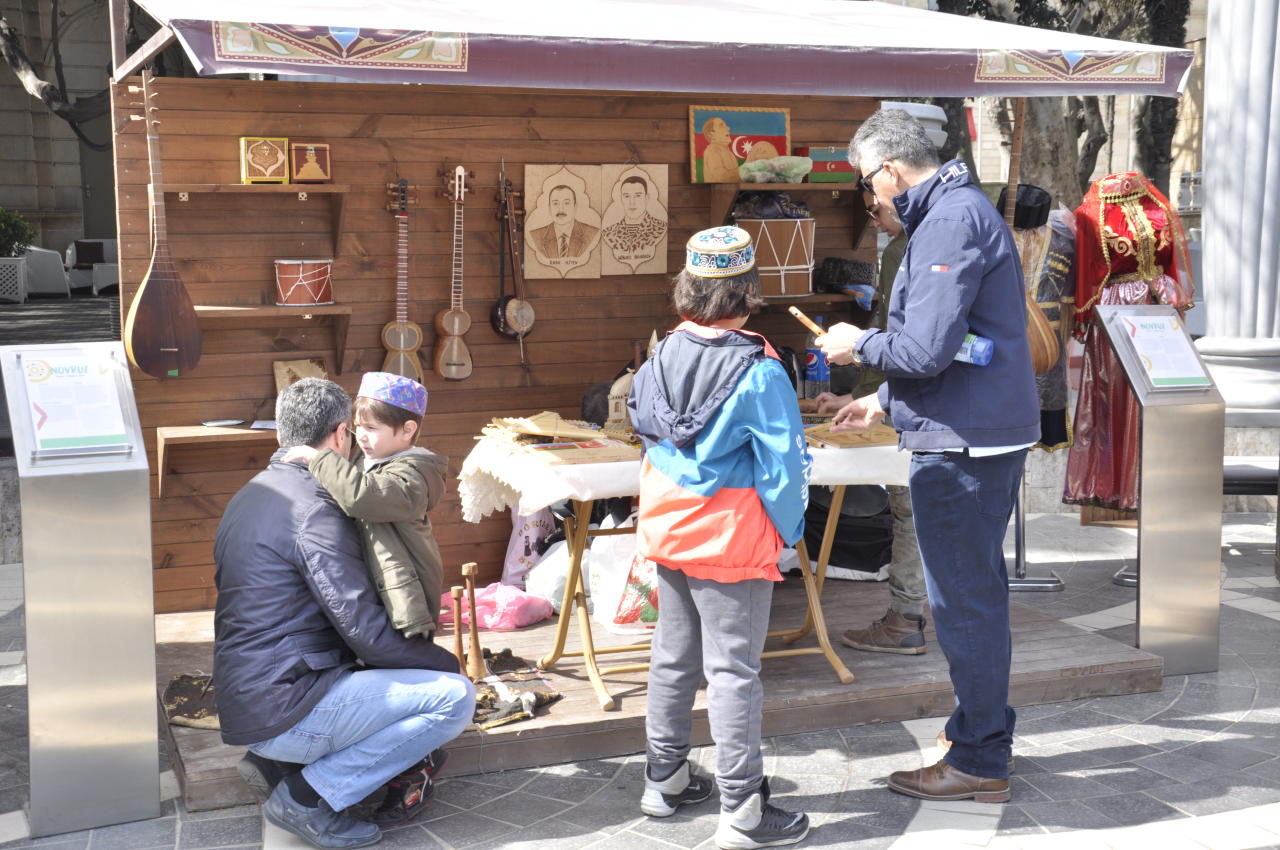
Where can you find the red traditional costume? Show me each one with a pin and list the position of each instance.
(1130, 249)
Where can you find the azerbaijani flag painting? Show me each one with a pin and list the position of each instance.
(723, 137)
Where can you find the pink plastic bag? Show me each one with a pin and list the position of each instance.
(501, 607)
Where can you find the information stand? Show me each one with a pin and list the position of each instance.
(1179, 485)
(86, 565)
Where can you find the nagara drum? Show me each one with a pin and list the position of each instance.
(304, 283)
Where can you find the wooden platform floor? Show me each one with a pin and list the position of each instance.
(1052, 662)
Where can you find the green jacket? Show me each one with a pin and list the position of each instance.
(389, 502)
(869, 379)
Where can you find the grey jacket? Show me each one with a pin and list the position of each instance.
(295, 606)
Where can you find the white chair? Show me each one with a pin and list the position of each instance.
(45, 273)
(13, 279)
(105, 276)
(82, 273)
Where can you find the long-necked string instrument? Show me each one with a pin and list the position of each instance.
(453, 359)
(512, 316)
(1040, 336)
(401, 337)
(161, 332)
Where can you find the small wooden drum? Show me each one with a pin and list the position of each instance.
(303, 283)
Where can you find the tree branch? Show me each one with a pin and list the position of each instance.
(83, 109)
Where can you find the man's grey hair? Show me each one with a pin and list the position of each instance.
(309, 410)
(893, 134)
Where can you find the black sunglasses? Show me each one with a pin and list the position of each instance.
(865, 180)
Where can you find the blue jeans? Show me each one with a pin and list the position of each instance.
(962, 506)
(371, 726)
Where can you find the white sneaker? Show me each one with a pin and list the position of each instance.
(682, 788)
(756, 823)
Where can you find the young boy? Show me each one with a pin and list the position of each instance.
(723, 486)
(388, 491)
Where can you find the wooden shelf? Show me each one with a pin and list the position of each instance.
(183, 435)
(811, 298)
(303, 191)
(338, 314)
(724, 194)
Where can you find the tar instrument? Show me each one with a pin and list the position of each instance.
(453, 360)
(401, 337)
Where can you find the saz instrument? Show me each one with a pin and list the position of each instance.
(512, 316)
(401, 337)
(453, 360)
(161, 332)
(1041, 339)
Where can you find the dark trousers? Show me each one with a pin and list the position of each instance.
(962, 506)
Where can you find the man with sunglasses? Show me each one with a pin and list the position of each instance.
(968, 428)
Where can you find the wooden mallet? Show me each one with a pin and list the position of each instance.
(806, 321)
(475, 657)
(456, 593)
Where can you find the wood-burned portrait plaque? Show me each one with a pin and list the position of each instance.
(562, 221)
(635, 219)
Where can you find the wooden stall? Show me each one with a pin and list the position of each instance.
(224, 237)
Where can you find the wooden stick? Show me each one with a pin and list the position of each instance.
(806, 321)
(475, 657)
(456, 593)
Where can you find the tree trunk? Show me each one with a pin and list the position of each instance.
(1096, 136)
(1049, 156)
(958, 143)
(1159, 115)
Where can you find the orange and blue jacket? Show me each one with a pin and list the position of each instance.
(724, 481)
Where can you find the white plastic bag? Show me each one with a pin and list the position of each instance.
(527, 532)
(547, 578)
(611, 557)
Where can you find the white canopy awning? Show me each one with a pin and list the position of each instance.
(840, 47)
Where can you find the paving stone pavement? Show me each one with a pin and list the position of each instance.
(1196, 765)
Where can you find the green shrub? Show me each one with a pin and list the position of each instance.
(16, 233)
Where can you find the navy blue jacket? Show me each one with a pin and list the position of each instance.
(296, 607)
(960, 274)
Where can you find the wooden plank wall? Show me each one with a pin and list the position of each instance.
(224, 246)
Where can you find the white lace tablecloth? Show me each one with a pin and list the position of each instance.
(496, 475)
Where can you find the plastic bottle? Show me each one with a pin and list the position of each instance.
(817, 372)
(976, 350)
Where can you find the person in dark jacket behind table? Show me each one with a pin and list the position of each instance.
(968, 428)
(309, 673)
(723, 486)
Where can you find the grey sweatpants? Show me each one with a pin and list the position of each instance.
(717, 630)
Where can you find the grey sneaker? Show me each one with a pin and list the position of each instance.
(262, 774)
(758, 823)
(682, 788)
(322, 826)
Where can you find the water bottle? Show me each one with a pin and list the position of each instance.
(975, 349)
(817, 372)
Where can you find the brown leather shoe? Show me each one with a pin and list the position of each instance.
(898, 633)
(945, 745)
(941, 781)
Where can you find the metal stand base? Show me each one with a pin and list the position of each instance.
(1019, 580)
(1125, 577)
(1051, 582)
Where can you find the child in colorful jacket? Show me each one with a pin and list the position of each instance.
(723, 487)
